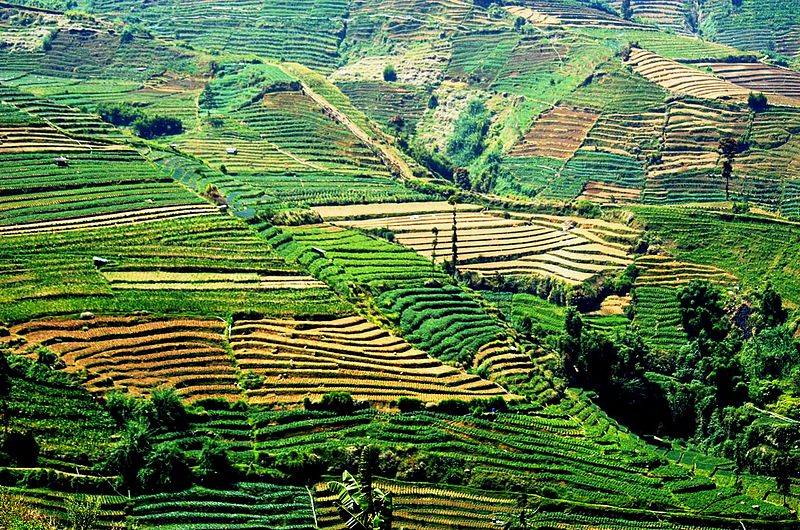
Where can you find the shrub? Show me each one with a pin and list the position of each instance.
(406, 404)
(215, 467)
(119, 114)
(149, 127)
(466, 143)
(389, 73)
(169, 414)
(165, 469)
(741, 208)
(83, 513)
(339, 402)
(758, 102)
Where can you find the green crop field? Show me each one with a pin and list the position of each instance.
(399, 264)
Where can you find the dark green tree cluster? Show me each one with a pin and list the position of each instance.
(146, 465)
(466, 143)
(143, 125)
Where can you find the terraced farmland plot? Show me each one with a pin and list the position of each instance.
(69, 120)
(480, 56)
(557, 133)
(533, 244)
(406, 21)
(602, 176)
(529, 175)
(760, 77)
(655, 296)
(754, 25)
(310, 358)
(180, 266)
(88, 189)
(627, 134)
(555, 449)
(682, 79)
(554, 13)
(670, 14)
(443, 320)
(248, 506)
(54, 179)
(421, 506)
(382, 101)
(285, 131)
(305, 31)
(690, 167)
(247, 193)
(356, 211)
(139, 356)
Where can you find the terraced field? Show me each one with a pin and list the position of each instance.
(554, 13)
(668, 14)
(690, 167)
(683, 79)
(419, 298)
(556, 133)
(172, 267)
(300, 359)
(569, 250)
(294, 240)
(312, 39)
(188, 354)
(655, 296)
(760, 78)
(250, 505)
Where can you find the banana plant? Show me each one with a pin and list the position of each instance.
(361, 506)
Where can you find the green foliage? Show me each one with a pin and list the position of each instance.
(702, 310)
(165, 469)
(362, 506)
(150, 127)
(168, 412)
(17, 514)
(389, 73)
(119, 114)
(214, 467)
(83, 513)
(771, 354)
(757, 101)
(467, 140)
(338, 402)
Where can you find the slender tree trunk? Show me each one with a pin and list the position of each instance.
(455, 243)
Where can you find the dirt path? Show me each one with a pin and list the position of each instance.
(400, 165)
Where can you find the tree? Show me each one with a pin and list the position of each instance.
(570, 340)
(466, 143)
(770, 307)
(627, 12)
(728, 146)
(360, 505)
(215, 467)
(165, 469)
(129, 453)
(757, 102)
(5, 388)
(149, 127)
(454, 201)
(461, 178)
(83, 513)
(702, 311)
(169, 413)
(389, 73)
(435, 232)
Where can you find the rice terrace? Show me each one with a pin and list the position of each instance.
(400, 264)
